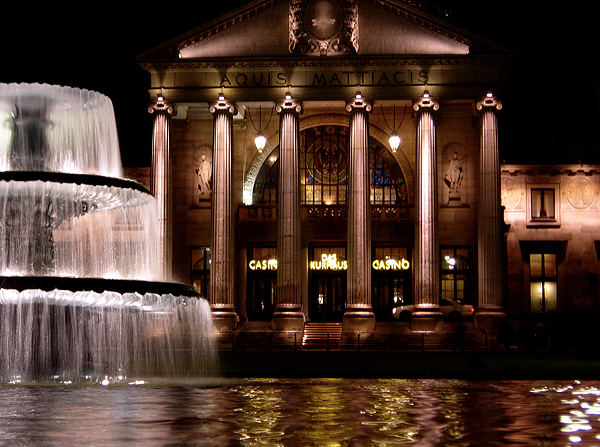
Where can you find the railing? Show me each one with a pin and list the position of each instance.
(315, 212)
(257, 213)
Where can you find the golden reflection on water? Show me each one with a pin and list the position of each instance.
(306, 412)
(580, 415)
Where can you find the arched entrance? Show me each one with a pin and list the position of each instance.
(323, 191)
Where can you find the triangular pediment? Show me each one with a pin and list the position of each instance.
(280, 28)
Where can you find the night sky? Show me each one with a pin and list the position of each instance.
(550, 113)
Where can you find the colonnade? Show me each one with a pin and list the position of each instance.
(359, 315)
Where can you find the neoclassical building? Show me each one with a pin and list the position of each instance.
(328, 160)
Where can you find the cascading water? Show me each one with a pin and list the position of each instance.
(82, 293)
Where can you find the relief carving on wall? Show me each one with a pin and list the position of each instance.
(454, 164)
(511, 193)
(203, 172)
(323, 27)
(580, 193)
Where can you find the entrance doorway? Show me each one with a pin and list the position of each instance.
(327, 283)
(262, 283)
(391, 280)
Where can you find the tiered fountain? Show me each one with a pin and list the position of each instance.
(82, 294)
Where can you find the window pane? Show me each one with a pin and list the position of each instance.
(549, 202)
(550, 296)
(398, 292)
(460, 288)
(536, 296)
(462, 258)
(536, 203)
(448, 259)
(549, 265)
(535, 265)
(447, 286)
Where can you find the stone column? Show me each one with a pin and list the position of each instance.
(426, 260)
(359, 314)
(160, 180)
(489, 218)
(288, 314)
(222, 285)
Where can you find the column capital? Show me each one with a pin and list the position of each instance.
(358, 103)
(288, 104)
(425, 102)
(489, 101)
(222, 105)
(161, 105)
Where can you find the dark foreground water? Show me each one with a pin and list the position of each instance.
(303, 412)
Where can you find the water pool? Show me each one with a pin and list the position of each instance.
(303, 412)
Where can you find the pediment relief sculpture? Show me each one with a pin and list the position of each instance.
(323, 27)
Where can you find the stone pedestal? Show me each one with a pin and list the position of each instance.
(288, 314)
(359, 318)
(426, 257)
(224, 317)
(490, 313)
(160, 180)
(359, 314)
(222, 286)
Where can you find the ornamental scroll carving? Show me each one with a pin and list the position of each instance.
(323, 27)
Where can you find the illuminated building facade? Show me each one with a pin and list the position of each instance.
(329, 161)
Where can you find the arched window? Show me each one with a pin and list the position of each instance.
(323, 171)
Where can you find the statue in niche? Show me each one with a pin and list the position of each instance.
(203, 173)
(453, 179)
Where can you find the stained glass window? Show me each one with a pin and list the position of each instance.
(324, 169)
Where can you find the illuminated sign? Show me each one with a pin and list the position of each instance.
(328, 262)
(263, 264)
(391, 264)
(331, 262)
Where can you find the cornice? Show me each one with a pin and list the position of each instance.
(295, 62)
(229, 22)
(549, 170)
(420, 18)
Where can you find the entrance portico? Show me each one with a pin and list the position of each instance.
(327, 188)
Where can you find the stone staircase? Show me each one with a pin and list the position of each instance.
(322, 336)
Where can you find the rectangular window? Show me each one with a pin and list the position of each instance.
(543, 282)
(543, 205)
(455, 274)
(201, 270)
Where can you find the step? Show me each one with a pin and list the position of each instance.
(322, 336)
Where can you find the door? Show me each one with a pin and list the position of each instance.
(327, 283)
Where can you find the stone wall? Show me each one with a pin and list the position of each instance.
(573, 234)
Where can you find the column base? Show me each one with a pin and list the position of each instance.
(358, 319)
(225, 319)
(489, 319)
(426, 320)
(288, 318)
